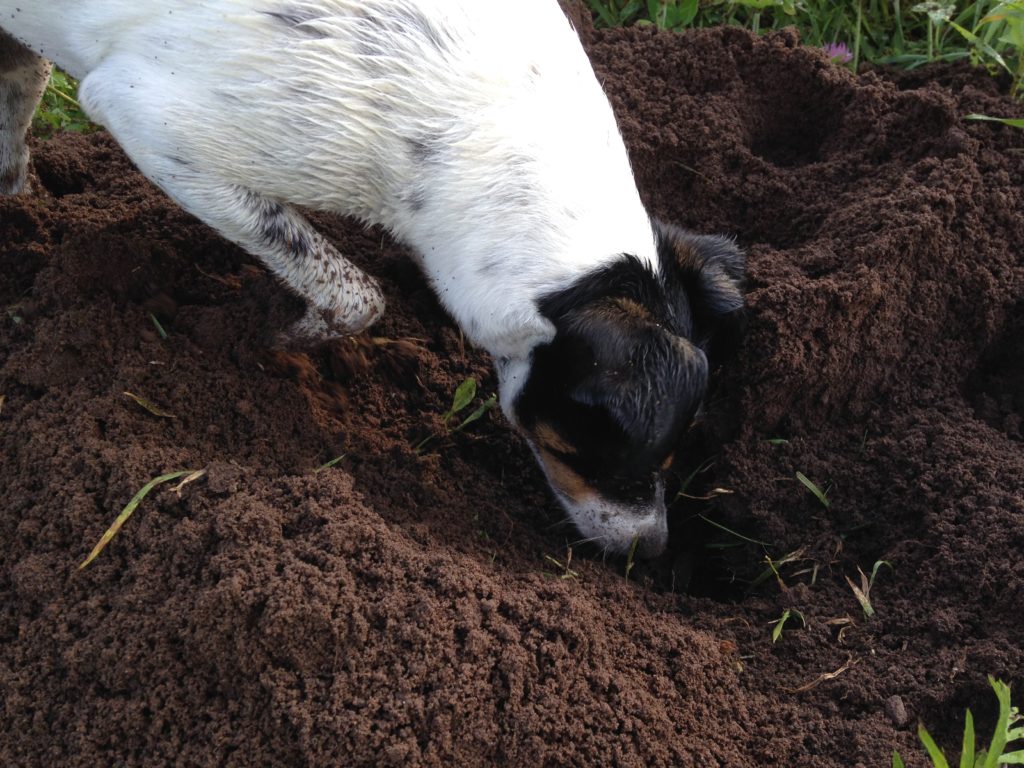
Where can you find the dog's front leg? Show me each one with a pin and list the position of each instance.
(341, 298)
(23, 77)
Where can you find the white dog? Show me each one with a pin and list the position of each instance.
(477, 134)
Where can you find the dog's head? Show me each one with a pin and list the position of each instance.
(604, 404)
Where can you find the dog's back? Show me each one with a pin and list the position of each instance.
(478, 136)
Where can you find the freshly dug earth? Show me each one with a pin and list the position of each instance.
(417, 608)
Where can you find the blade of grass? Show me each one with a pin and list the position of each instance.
(159, 328)
(731, 532)
(1013, 122)
(480, 411)
(189, 479)
(999, 738)
(153, 409)
(632, 553)
(777, 629)
(329, 464)
(689, 478)
(967, 752)
(810, 485)
(862, 593)
(128, 510)
(824, 677)
(938, 759)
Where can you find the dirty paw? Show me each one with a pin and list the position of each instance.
(319, 326)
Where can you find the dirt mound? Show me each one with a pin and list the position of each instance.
(409, 608)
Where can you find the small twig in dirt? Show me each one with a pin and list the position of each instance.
(823, 677)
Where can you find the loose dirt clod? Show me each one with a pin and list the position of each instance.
(399, 609)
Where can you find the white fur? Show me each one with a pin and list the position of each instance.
(534, 180)
(474, 131)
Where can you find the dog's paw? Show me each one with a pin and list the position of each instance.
(319, 326)
(14, 179)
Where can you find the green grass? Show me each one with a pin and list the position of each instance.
(813, 488)
(1008, 730)
(987, 33)
(464, 395)
(863, 592)
(59, 109)
(779, 625)
(899, 32)
(328, 464)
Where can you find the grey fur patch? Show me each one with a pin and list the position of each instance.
(14, 55)
(425, 150)
(277, 227)
(297, 20)
(426, 28)
(489, 265)
(416, 199)
(405, 23)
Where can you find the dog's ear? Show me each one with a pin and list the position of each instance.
(617, 385)
(708, 271)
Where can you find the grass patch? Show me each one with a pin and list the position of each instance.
(465, 393)
(59, 109)
(907, 34)
(1008, 730)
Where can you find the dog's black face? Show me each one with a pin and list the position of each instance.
(608, 398)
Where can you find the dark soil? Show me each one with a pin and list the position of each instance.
(405, 609)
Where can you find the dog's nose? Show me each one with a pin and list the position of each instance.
(653, 538)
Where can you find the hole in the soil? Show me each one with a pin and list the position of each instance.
(789, 129)
(793, 114)
(790, 140)
(60, 174)
(705, 558)
(711, 553)
(996, 387)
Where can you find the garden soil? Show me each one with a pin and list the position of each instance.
(424, 607)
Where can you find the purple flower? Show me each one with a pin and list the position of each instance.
(838, 52)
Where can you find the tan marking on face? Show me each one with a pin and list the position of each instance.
(565, 480)
(547, 437)
(633, 310)
(668, 462)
